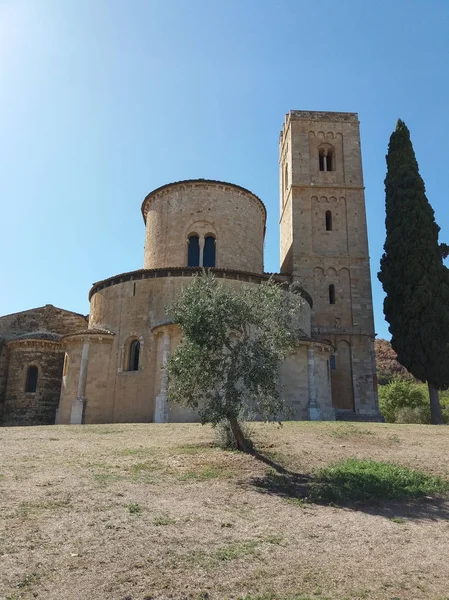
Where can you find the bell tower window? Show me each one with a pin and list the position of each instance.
(328, 220)
(332, 294)
(326, 159)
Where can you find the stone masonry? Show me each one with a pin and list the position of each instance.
(111, 367)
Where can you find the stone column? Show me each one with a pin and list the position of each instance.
(314, 411)
(161, 409)
(201, 243)
(78, 404)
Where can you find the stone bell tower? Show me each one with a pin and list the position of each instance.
(324, 246)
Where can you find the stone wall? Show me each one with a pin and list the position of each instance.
(44, 318)
(233, 215)
(3, 374)
(297, 381)
(319, 256)
(130, 310)
(38, 408)
(17, 407)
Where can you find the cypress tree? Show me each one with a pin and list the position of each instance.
(412, 272)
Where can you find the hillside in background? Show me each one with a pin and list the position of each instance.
(388, 366)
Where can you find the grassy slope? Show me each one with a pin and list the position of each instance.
(136, 511)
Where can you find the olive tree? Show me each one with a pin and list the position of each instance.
(234, 341)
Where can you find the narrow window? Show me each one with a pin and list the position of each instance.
(322, 159)
(332, 294)
(286, 177)
(134, 351)
(193, 255)
(326, 159)
(31, 382)
(328, 220)
(66, 365)
(209, 252)
(332, 363)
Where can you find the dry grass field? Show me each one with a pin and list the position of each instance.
(157, 511)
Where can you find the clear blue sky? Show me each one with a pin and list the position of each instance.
(102, 101)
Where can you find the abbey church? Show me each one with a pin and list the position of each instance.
(57, 366)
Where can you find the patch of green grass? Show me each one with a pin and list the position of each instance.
(134, 508)
(349, 430)
(398, 520)
(163, 520)
(28, 580)
(193, 448)
(274, 539)
(105, 478)
(140, 452)
(356, 480)
(206, 473)
(273, 596)
(215, 558)
(144, 471)
(94, 430)
(300, 502)
(235, 550)
(25, 508)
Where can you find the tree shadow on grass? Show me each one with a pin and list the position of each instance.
(279, 481)
(305, 489)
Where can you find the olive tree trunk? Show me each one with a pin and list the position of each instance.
(238, 434)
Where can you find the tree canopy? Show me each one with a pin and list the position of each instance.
(227, 364)
(412, 272)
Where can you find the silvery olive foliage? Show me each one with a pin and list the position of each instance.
(234, 341)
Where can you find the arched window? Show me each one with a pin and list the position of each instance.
(332, 294)
(328, 220)
(133, 358)
(326, 159)
(193, 252)
(31, 381)
(209, 251)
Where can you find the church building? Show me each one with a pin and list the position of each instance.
(57, 366)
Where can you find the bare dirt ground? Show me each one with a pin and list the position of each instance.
(156, 511)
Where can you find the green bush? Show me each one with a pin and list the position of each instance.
(399, 395)
(402, 401)
(418, 415)
(356, 480)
